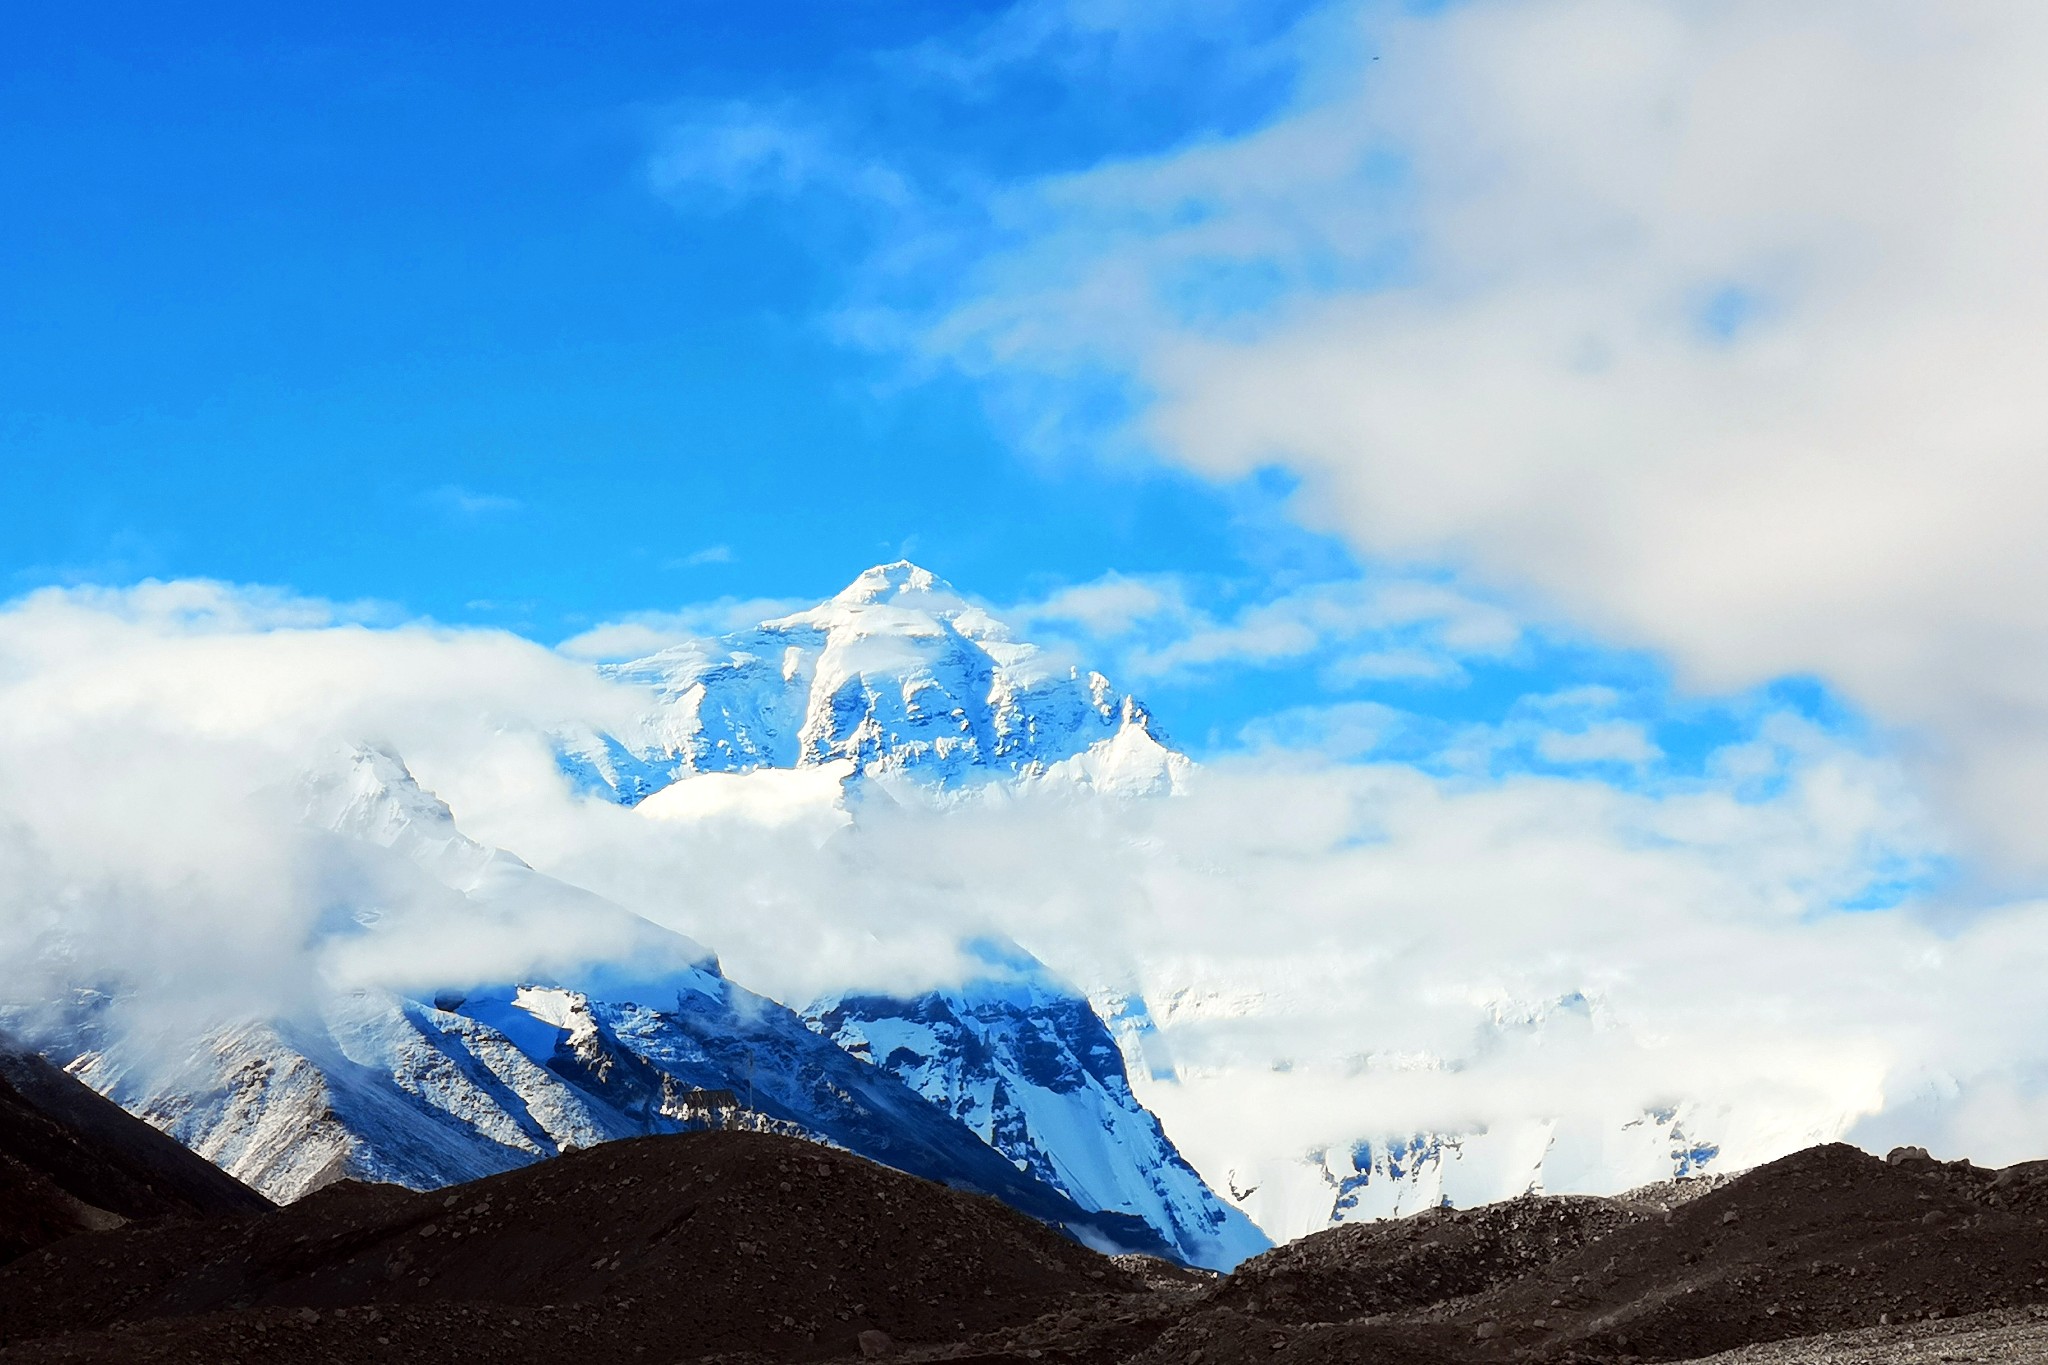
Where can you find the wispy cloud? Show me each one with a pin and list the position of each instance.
(121, 557)
(1135, 43)
(1609, 741)
(641, 633)
(1111, 606)
(1372, 629)
(467, 504)
(1392, 665)
(730, 154)
(710, 554)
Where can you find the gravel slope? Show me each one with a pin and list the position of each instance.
(745, 1248)
(2002, 1337)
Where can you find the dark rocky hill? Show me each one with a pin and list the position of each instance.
(676, 1246)
(71, 1161)
(1826, 1240)
(741, 1247)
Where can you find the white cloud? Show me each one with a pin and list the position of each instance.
(467, 504)
(741, 151)
(1290, 910)
(1110, 606)
(149, 738)
(1612, 741)
(1715, 326)
(643, 633)
(616, 640)
(54, 623)
(1384, 626)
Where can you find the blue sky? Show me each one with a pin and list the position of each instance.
(383, 302)
(1585, 452)
(515, 317)
(393, 304)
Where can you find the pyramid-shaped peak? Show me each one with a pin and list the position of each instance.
(885, 581)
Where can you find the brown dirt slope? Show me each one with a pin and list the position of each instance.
(1365, 1269)
(683, 1246)
(2010, 1336)
(71, 1161)
(746, 1248)
(1825, 1241)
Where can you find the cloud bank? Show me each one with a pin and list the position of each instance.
(1712, 327)
(1330, 950)
(151, 742)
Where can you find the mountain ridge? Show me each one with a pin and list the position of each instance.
(1023, 1060)
(736, 1246)
(472, 1080)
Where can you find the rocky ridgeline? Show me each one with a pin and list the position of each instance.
(740, 1247)
(689, 1245)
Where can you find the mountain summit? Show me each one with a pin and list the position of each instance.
(900, 579)
(898, 676)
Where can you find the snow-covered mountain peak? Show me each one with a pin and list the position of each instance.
(366, 791)
(885, 581)
(900, 600)
(900, 675)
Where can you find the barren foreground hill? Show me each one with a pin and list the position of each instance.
(71, 1161)
(745, 1247)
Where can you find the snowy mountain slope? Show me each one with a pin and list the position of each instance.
(366, 792)
(898, 683)
(901, 635)
(1024, 1061)
(286, 1109)
(640, 1058)
(375, 1085)
(898, 674)
(388, 1089)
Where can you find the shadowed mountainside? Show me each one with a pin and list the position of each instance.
(71, 1161)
